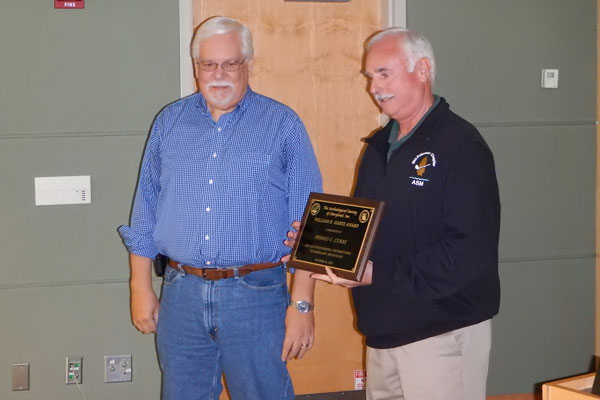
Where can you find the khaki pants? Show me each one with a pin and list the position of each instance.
(450, 366)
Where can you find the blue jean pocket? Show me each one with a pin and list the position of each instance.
(272, 278)
(171, 275)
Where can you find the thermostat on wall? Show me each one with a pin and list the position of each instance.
(550, 78)
(54, 190)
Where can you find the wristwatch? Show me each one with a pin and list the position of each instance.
(302, 306)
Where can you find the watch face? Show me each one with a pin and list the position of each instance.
(302, 306)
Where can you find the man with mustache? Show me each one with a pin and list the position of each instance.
(431, 287)
(224, 172)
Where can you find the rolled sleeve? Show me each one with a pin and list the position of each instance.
(138, 237)
(137, 243)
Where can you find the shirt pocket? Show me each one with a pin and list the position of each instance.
(246, 175)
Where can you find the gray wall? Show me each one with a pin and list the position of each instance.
(79, 89)
(490, 55)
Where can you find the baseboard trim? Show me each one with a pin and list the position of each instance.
(521, 396)
(360, 395)
(347, 395)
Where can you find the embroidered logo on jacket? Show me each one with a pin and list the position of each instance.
(421, 163)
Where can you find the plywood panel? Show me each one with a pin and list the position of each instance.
(309, 57)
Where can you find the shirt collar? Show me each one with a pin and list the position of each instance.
(393, 137)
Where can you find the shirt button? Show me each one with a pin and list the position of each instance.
(207, 209)
(208, 263)
(214, 155)
(206, 237)
(219, 129)
(210, 181)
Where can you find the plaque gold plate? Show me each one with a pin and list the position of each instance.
(336, 232)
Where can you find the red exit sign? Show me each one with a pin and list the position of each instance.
(68, 4)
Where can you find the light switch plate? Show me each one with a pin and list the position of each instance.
(20, 376)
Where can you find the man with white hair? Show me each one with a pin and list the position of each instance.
(224, 172)
(431, 287)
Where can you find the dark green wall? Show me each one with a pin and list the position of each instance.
(79, 90)
(489, 56)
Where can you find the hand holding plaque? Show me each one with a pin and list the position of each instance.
(336, 232)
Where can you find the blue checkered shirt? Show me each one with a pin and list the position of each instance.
(220, 194)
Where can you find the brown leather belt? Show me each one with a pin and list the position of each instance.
(213, 274)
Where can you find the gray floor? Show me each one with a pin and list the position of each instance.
(350, 395)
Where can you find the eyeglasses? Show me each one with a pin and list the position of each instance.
(229, 66)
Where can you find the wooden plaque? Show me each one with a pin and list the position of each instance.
(336, 232)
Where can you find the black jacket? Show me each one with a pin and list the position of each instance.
(435, 255)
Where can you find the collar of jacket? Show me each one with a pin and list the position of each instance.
(379, 139)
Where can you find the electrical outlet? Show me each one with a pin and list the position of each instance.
(74, 367)
(117, 368)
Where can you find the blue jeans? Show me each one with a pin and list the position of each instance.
(235, 326)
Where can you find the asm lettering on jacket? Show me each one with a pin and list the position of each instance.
(422, 163)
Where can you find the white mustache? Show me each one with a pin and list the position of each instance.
(383, 96)
(220, 83)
